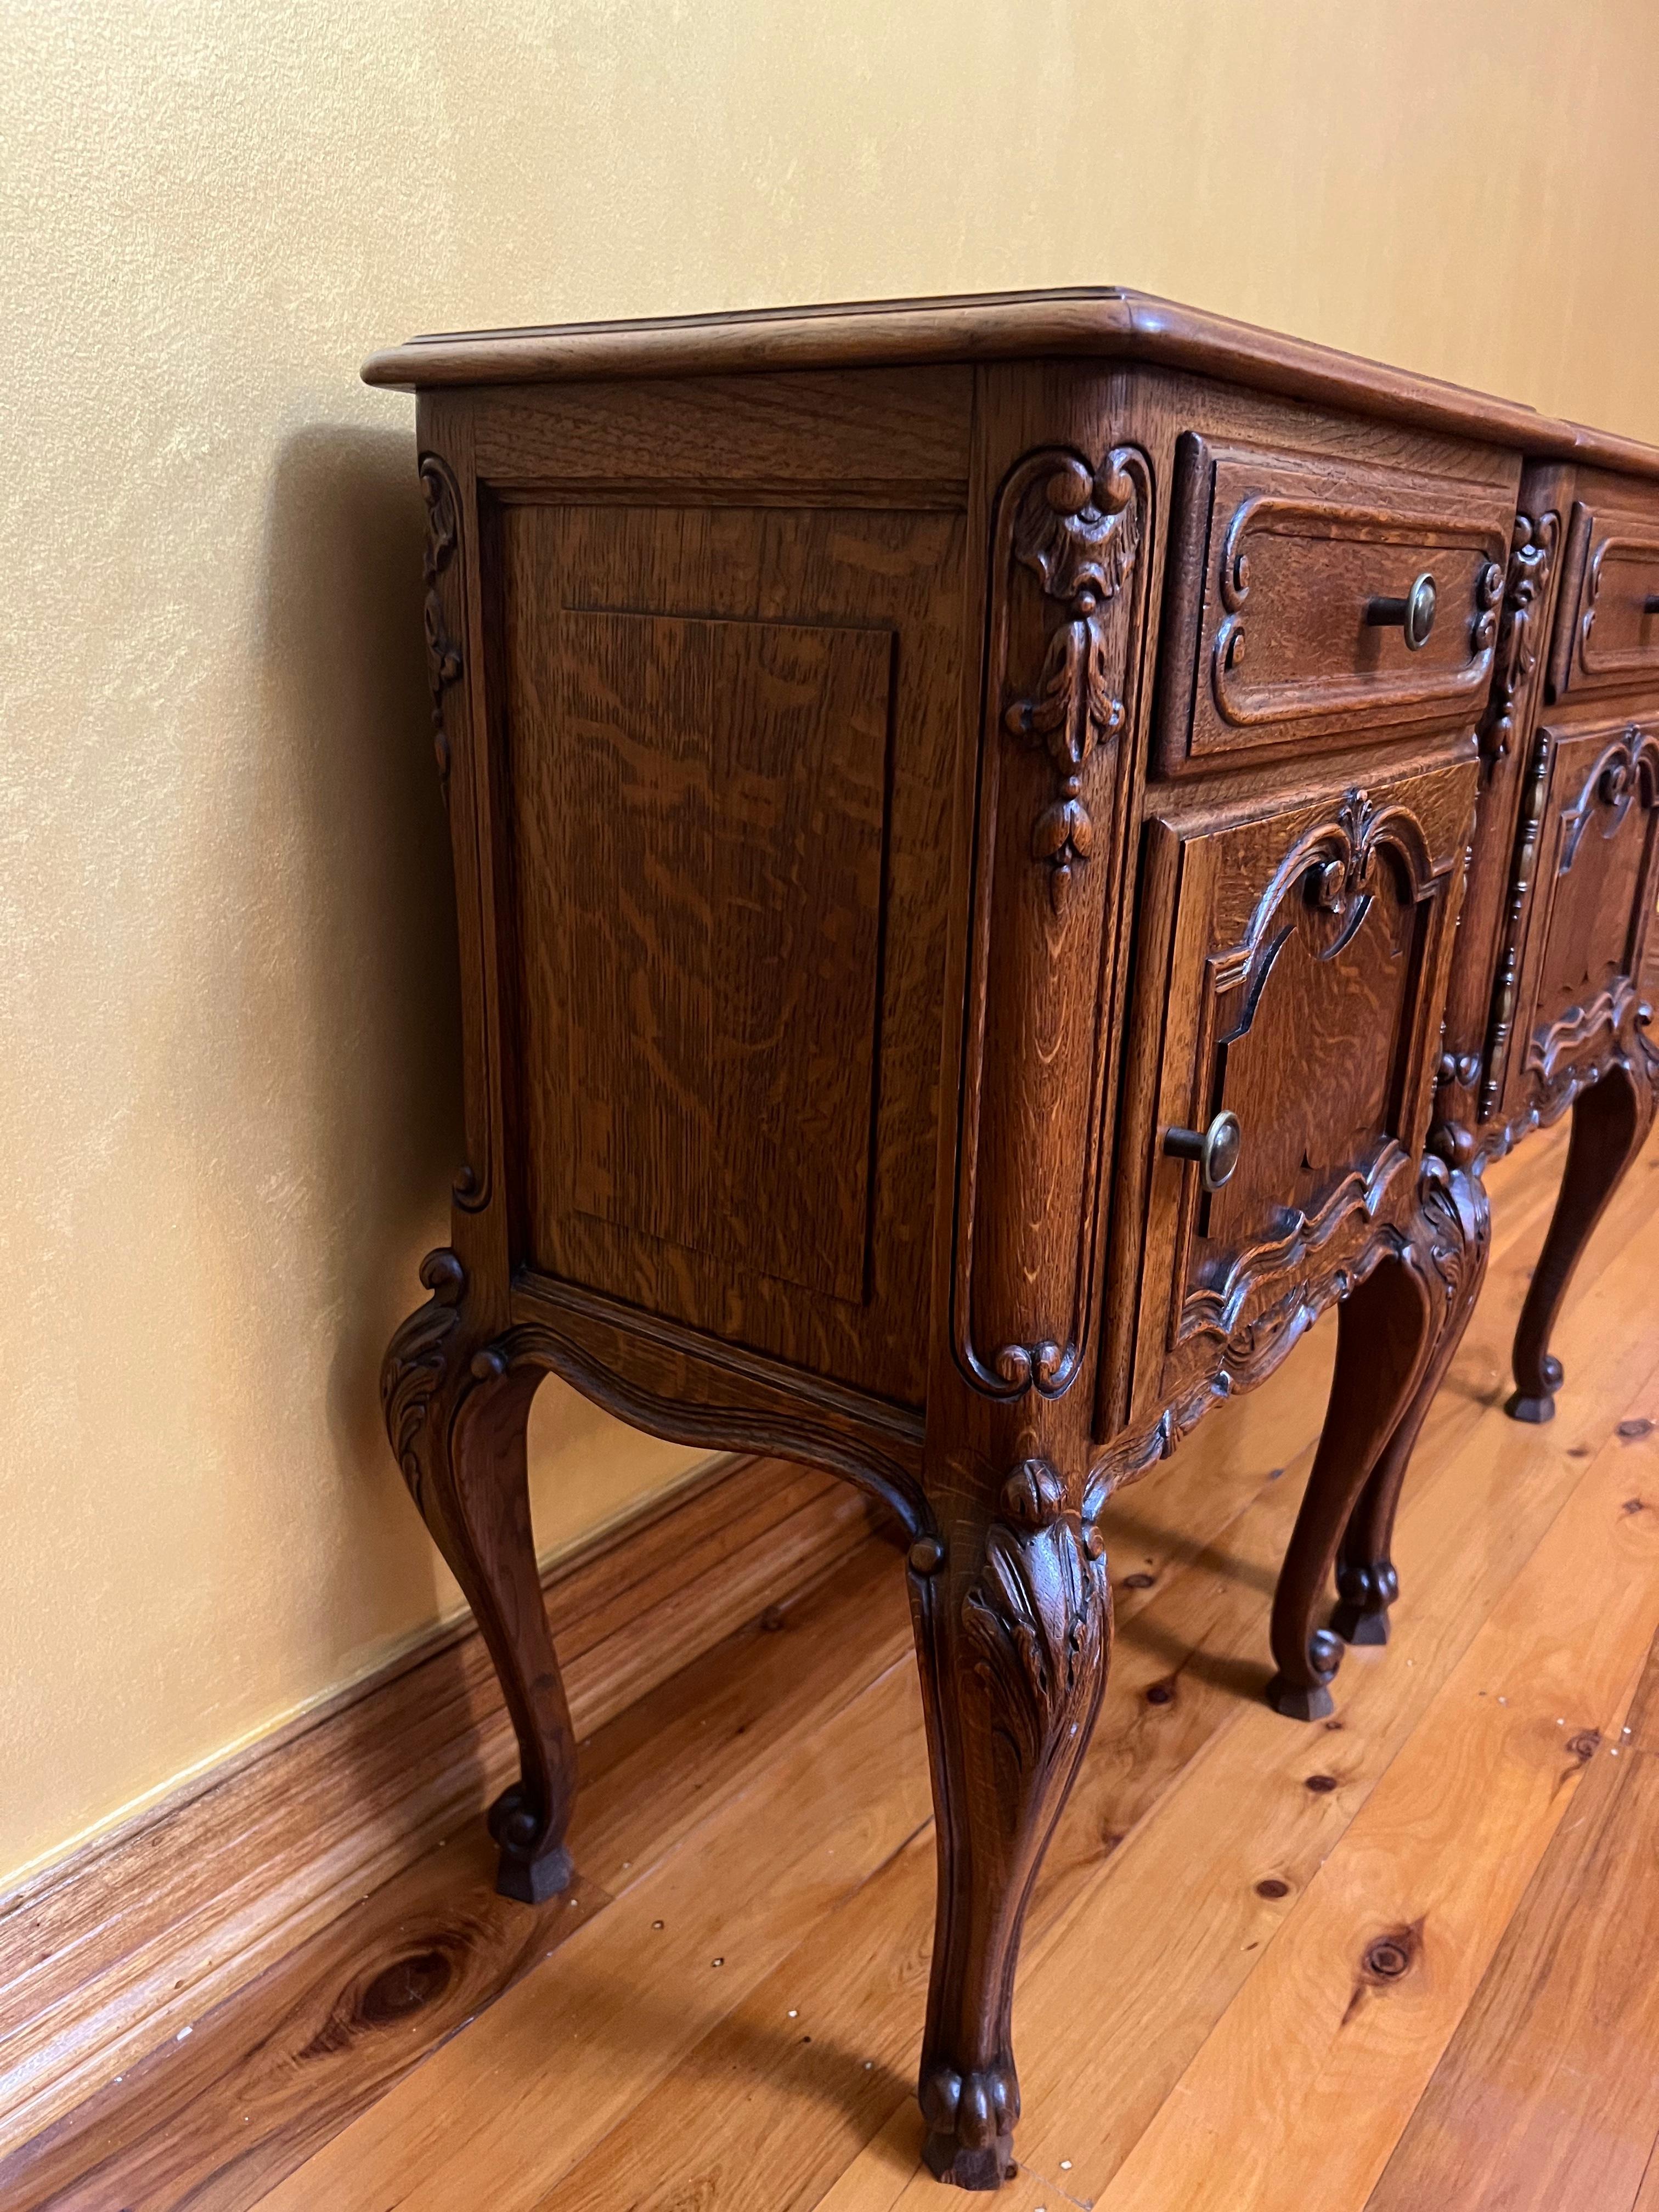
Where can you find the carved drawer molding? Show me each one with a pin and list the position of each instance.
(1283, 559)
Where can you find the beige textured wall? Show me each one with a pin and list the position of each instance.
(230, 997)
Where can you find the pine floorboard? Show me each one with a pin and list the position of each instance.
(1401, 1961)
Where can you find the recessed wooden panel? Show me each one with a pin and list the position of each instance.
(723, 821)
(726, 730)
(1280, 557)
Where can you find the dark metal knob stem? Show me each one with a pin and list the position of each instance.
(1414, 614)
(1216, 1149)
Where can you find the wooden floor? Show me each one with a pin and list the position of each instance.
(1407, 1959)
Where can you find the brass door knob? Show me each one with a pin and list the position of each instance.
(1216, 1149)
(1414, 614)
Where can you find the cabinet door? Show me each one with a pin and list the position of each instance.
(1293, 975)
(1589, 846)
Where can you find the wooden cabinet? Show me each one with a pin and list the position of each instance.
(1009, 853)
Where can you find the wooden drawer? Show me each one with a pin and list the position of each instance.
(1589, 842)
(1607, 621)
(1294, 976)
(1281, 560)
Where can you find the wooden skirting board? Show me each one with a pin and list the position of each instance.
(120, 1949)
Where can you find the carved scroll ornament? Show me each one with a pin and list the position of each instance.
(1532, 557)
(417, 1364)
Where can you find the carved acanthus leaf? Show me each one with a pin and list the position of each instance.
(1454, 1221)
(443, 655)
(1035, 1621)
(1079, 531)
(1335, 882)
(417, 1360)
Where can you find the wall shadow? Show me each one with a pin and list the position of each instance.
(379, 992)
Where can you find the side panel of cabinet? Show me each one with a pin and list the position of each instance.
(1293, 974)
(727, 730)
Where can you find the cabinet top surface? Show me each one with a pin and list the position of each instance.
(1101, 322)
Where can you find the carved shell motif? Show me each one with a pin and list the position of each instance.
(1034, 1621)
(1079, 531)
(443, 655)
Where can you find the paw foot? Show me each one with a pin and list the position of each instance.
(970, 2124)
(529, 1870)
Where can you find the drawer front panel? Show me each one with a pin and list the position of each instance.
(1599, 836)
(1301, 981)
(1282, 562)
(1606, 631)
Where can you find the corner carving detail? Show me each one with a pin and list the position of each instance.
(1078, 530)
(1532, 557)
(1453, 1223)
(417, 1363)
(1035, 1624)
(443, 655)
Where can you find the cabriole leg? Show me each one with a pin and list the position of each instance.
(1366, 1583)
(1609, 1121)
(1396, 1334)
(455, 1412)
(1384, 1330)
(1013, 1630)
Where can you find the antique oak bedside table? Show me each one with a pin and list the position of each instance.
(961, 812)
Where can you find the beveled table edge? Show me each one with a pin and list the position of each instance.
(1099, 322)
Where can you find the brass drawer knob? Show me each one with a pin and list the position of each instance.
(1414, 614)
(1216, 1149)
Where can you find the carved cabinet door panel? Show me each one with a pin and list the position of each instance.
(1294, 977)
(1588, 839)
